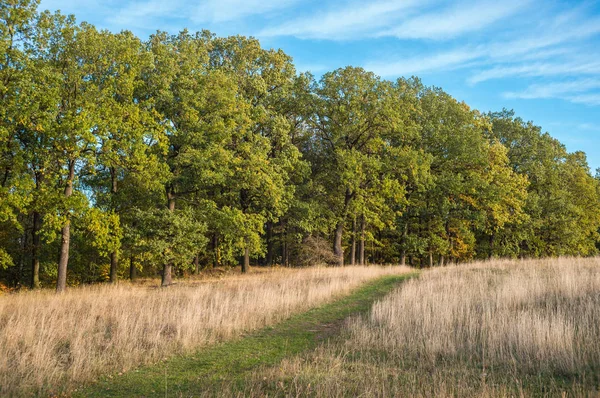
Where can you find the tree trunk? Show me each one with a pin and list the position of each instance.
(114, 262)
(35, 239)
(361, 244)
(65, 232)
(167, 279)
(353, 253)
(246, 263)
(114, 256)
(379, 250)
(24, 244)
(403, 244)
(491, 246)
(430, 264)
(35, 250)
(270, 245)
(441, 261)
(197, 264)
(337, 243)
(65, 242)
(215, 250)
(284, 250)
(132, 269)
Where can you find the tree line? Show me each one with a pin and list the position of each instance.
(119, 155)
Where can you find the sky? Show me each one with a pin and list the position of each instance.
(538, 57)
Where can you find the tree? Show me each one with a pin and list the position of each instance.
(352, 114)
(201, 114)
(560, 207)
(16, 20)
(263, 157)
(126, 125)
(69, 52)
(192, 148)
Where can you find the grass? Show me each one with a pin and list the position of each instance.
(498, 328)
(501, 328)
(205, 372)
(50, 344)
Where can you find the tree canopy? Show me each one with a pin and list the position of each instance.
(164, 156)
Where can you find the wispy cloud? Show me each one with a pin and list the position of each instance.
(556, 89)
(216, 11)
(409, 19)
(586, 99)
(553, 48)
(414, 65)
(549, 44)
(537, 69)
(140, 13)
(455, 20)
(353, 21)
(172, 14)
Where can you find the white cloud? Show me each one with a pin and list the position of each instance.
(355, 20)
(553, 48)
(138, 13)
(415, 65)
(456, 20)
(556, 89)
(550, 44)
(402, 19)
(230, 10)
(537, 69)
(592, 99)
(555, 33)
(174, 15)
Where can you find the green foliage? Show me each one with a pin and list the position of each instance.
(169, 237)
(561, 210)
(192, 146)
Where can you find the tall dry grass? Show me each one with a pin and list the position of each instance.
(50, 343)
(501, 328)
(537, 315)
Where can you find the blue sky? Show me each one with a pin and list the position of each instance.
(538, 57)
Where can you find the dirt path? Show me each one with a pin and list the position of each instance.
(200, 373)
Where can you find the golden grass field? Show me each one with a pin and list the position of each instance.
(497, 328)
(500, 328)
(49, 340)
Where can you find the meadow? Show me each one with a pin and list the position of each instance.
(500, 328)
(53, 343)
(486, 329)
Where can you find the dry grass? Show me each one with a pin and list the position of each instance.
(50, 343)
(503, 328)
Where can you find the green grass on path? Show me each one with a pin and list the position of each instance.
(193, 374)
